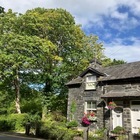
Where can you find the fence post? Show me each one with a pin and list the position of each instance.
(27, 127)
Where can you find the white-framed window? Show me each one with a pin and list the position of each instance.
(90, 82)
(90, 106)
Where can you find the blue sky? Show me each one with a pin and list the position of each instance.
(115, 22)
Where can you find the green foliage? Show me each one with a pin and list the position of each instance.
(11, 108)
(5, 124)
(123, 137)
(33, 107)
(15, 122)
(72, 123)
(42, 46)
(118, 129)
(55, 131)
(58, 116)
(18, 120)
(97, 135)
(7, 97)
(108, 62)
(73, 109)
(70, 134)
(39, 47)
(1, 10)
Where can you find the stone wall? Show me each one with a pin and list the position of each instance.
(124, 87)
(80, 96)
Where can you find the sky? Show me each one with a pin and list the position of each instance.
(115, 22)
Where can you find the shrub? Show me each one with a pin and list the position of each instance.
(56, 130)
(118, 129)
(5, 125)
(18, 121)
(52, 130)
(57, 116)
(97, 134)
(72, 123)
(33, 106)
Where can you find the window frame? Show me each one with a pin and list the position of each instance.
(90, 82)
(87, 109)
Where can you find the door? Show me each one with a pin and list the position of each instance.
(135, 116)
(117, 119)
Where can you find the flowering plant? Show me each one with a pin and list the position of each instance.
(91, 116)
(111, 105)
(86, 120)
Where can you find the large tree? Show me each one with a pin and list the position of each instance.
(44, 46)
(20, 53)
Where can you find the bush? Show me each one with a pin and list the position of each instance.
(57, 116)
(118, 129)
(5, 125)
(56, 130)
(97, 135)
(18, 121)
(72, 124)
(70, 134)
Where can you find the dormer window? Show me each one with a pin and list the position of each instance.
(90, 82)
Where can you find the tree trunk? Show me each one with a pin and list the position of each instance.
(17, 90)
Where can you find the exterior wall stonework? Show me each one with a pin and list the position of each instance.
(79, 95)
(127, 119)
(124, 87)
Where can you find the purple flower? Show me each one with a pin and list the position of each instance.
(85, 120)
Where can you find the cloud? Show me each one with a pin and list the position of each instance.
(22, 6)
(120, 16)
(87, 12)
(118, 50)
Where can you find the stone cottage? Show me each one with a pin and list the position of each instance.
(111, 93)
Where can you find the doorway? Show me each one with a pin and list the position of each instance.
(117, 119)
(135, 116)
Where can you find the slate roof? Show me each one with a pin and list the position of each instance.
(77, 80)
(123, 71)
(93, 70)
(116, 72)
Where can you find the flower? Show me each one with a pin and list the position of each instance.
(111, 105)
(85, 121)
(92, 116)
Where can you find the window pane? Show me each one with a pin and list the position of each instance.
(91, 78)
(91, 105)
(88, 105)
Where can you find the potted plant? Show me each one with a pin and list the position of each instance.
(85, 121)
(111, 105)
(92, 116)
(118, 130)
(89, 118)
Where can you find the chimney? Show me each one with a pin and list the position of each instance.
(94, 63)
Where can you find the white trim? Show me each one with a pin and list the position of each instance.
(90, 85)
(135, 115)
(117, 119)
(90, 109)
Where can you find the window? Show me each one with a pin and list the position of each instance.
(90, 82)
(90, 106)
